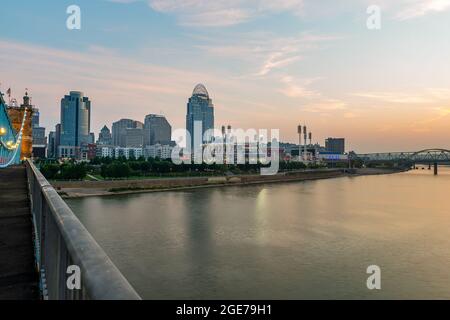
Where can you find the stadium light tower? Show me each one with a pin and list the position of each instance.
(305, 135)
(299, 131)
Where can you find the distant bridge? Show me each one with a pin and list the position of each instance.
(435, 155)
(428, 156)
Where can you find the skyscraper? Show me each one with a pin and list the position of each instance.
(200, 109)
(39, 138)
(134, 138)
(35, 118)
(104, 137)
(57, 139)
(157, 130)
(75, 123)
(51, 153)
(119, 130)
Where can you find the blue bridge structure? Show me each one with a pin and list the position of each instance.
(10, 140)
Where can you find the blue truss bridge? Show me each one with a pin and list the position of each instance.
(10, 140)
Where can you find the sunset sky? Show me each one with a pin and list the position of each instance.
(266, 64)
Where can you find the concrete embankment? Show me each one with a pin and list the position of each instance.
(78, 189)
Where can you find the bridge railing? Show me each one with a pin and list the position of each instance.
(62, 241)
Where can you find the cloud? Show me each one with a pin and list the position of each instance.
(326, 107)
(217, 13)
(118, 86)
(422, 7)
(264, 52)
(223, 13)
(428, 95)
(277, 60)
(297, 88)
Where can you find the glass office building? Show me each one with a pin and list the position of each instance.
(200, 109)
(75, 119)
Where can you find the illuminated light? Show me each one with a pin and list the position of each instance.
(2, 131)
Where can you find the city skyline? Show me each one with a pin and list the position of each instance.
(283, 64)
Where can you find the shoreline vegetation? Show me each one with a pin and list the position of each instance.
(82, 189)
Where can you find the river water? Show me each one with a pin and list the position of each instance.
(298, 240)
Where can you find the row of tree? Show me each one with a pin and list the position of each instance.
(125, 168)
(66, 171)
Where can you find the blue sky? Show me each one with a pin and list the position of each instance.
(267, 64)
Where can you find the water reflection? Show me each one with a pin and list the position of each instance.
(282, 241)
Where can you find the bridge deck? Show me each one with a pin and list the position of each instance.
(18, 278)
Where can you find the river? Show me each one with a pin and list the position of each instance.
(298, 240)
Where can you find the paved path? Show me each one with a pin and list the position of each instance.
(18, 278)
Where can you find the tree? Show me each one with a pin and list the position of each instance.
(50, 171)
(73, 171)
(115, 170)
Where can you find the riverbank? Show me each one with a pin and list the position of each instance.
(81, 189)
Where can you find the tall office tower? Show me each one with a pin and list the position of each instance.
(200, 109)
(134, 138)
(39, 139)
(39, 142)
(119, 130)
(75, 124)
(91, 138)
(57, 139)
(157, 130)
(335, 145)
(104, 137)
(51, 145)
(35, 118)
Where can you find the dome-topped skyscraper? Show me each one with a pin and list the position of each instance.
(200, 90)
(200, 109)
